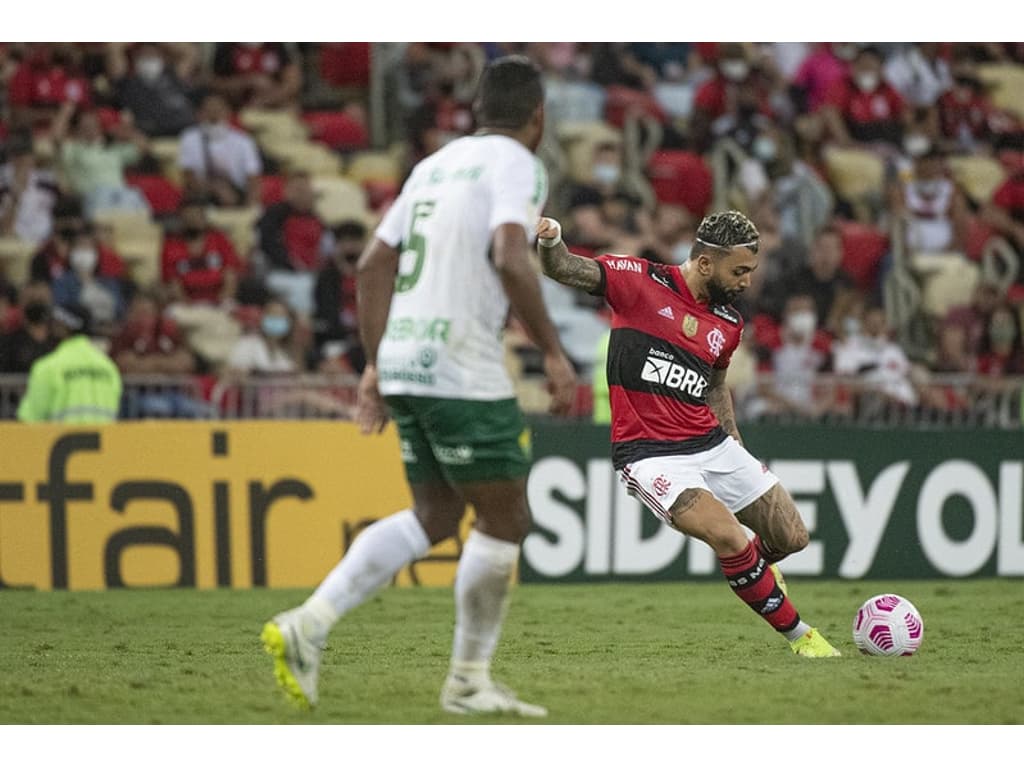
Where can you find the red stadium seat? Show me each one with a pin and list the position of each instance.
(108, 117)
(978, 233)
(864, 246)
(163, 196)
(345, 64)
(337, 130)
(681, 178)
(380, 193)
(621, 101)
(271, 190)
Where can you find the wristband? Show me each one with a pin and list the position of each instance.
(551, 242)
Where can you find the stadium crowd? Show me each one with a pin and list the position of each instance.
(207, 202)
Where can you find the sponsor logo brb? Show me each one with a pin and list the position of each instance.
(673, 376)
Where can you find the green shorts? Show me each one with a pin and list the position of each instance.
(460, 441)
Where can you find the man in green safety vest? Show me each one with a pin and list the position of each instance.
(77, 383)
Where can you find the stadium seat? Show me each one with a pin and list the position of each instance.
(578, 140)
(681, 178)
(978, 176)
(1006, 86)
(315, 159)
(373, 166)
(271, 190)
(163, 196)
(166, 153)
(864, 246)
(15, 258)
(857, 177)
(338, 130)
(345, 64)
(273, 122)
(141, 255)
(339, 199)
(622, 101)
(238, 224)
(948, 281)
(978, 233)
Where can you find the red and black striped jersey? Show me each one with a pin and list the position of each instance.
(663, 346)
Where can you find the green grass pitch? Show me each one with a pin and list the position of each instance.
(613, 653)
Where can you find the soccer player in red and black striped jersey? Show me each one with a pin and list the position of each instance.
(674, 438)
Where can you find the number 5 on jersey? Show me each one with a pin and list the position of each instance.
(410, 264)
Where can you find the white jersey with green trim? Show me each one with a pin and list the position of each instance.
(448, 312)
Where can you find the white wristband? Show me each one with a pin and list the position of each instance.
(551, 242)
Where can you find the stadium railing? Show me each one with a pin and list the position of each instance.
(944, 400)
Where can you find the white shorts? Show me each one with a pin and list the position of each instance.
(728, 472)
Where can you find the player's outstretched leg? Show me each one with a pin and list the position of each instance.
(295, 639)
(698, 513)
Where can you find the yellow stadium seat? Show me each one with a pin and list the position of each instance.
(977, 175)
(579, 139)
(374, 166)
(238, 224)
(857, 176)
(15, 259)
(948, 284)
(273, 123)
(1006, 84)
(339, 199)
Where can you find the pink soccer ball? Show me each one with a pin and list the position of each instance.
(888, 625)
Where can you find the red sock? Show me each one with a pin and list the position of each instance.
(762, 549)
(750, 578)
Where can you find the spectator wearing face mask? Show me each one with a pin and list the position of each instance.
(53, 258)
(732, 101)
(968, 119)
(152, 82)
(267, 349)
(221, 163)
(602, 213)
(933, 208)
(31, 339)
(862, 107)
(791, 370)
(83, 284)
(827, 64)
(880, 364)
(1002, 353)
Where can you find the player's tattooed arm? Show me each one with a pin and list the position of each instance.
(720, 402)
(558, 264)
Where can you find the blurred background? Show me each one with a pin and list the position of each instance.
(207, 201)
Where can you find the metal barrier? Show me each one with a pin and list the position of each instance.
(947, 400)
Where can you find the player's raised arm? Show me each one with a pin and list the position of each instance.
(558, 264)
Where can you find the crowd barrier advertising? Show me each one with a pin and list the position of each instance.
(242, 504)
(877, 504)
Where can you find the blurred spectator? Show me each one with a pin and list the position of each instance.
(822, 278)
(335, 323)
(827, 64)
(862, 107)
(150, 341)
(153, 85)
(32, 339)
(198, 262)
(445, 110)
(673, 229)
(267, 349)
(801, 196)
(264, 75)
(93, 168)
(1002, 352)
(881, 364)
(290, 232)
(974, 317)
(53, 258)
(221, 163)
(27, 193)
(1005, 211)
(82, 283)
(601, 211)
(920, 72)
(951, 354)
(792, 368)
(933, 208)
(49, 75)
(731, 102)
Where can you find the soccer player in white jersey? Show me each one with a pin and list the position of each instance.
(435, 286)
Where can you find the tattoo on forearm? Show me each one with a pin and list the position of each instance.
(720, 402)
(568, 269)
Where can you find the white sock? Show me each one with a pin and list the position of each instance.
(376, 555)
(481, 599)
(801, 629)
